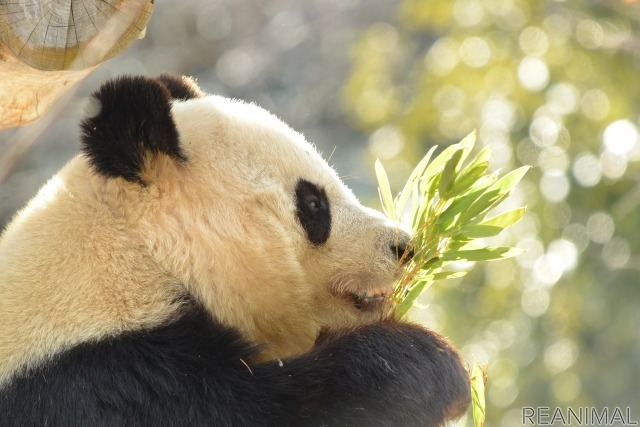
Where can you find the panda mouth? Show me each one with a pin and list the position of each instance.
(352, 290)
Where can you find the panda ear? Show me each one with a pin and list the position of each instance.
(132, 120)
(181, 87)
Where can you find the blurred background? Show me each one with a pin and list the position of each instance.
(551, 84)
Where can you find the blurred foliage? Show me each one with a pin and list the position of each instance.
(550, 84)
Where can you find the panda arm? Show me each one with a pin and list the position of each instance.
(198, 372)
(190, 372)
(386, 373)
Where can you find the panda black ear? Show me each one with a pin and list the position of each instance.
(181, 87)
(132, 119)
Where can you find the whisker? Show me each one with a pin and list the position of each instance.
(332, 151)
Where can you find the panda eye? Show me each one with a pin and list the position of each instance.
(313, 202)
(313, 212)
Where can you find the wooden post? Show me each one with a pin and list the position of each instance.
(47, 45)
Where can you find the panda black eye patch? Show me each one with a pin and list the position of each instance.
(313, 211)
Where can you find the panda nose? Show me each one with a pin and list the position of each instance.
(402, 251)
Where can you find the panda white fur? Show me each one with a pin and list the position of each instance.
(200, 264)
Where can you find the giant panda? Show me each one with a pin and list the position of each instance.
(199, 263)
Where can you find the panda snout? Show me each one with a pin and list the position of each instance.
(400, 248)
(402, 252)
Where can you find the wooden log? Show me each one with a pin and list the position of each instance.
(47, 45)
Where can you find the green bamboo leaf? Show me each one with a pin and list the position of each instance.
(482, 157)
(432, 265)
(420, 214)
(490, 198)
(412, 295)
(432, 187)
(479, 231)
(507, 182)
(435, 167)
(384, 190)
(471, 176)
(461, 204)
(467, 144)
(411, 184)
(442, 275)
(448, 175)
(495, 225)
(505, 219)
(419, 306)
(433, 172)
(415, 207)
(478, 375)
(450, 200)
(482, 254)
(460, 242)
(472, 172)
(495, 194)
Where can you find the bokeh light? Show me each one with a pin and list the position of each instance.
(386, 142)
(595, 104)
(560, 356)
(533, 74)
(586, 170)
(620, 137)
(554, 186)
(475, 52)
(468, 13)
(237, 67)
(616, 253)
(589, 33)
(544, 131)
(533, 41)
(535, 302)
(443, 56)
(600, 227)
(566, 387)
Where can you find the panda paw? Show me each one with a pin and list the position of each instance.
(386, 373)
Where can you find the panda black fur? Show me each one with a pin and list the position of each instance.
(200, 264)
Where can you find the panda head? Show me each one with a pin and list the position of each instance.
(238, 208)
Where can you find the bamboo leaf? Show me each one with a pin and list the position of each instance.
(483, 204)
(495, 225)
(461, 204)
(505, 219)
(438, 163)
(449, 205)
(467, 144)
(482, 157)
(472, 172)
(479, 231)
(478, 376)
(442, 275)
(384, 190)
(483, 254)
(496, 193)
(448, 175)
(507, 182)
(471, 176)
(421, 213)
(412, 182)
(407, 302)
